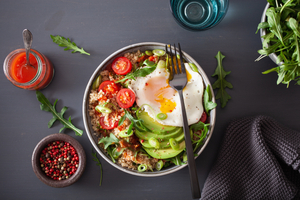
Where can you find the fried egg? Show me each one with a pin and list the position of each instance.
(155, 91)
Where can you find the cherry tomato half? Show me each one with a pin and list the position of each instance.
(109, 126)
(125, 98)
(203, 117)
(121, 65)
(109, 87)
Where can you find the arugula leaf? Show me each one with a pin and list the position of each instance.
(136, 123)
(109, 151)
(208, 104)
(283, 21)
(47, 106)
(109, 140)
(141, 72)
(63, 42)
(196, 127)
(176, 160)
(262, 25)
(99, 164)
(221, 83)
(274, 23)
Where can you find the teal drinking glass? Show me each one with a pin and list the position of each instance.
(197, 15)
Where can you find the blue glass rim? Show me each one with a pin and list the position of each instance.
(178, 21)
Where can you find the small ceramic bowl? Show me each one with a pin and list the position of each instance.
(35, 160)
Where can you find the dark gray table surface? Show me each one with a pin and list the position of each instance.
(102, 27)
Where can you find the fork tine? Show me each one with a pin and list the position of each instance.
(176, 62)
(181, 60)
(172, 62)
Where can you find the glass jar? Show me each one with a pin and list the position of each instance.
(35, 77)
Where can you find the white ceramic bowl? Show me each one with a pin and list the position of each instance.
(87, 121)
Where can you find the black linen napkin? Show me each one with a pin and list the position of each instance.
(258, 159)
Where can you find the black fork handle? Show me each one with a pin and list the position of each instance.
(189, 150)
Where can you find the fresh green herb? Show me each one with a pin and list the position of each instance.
(159, 165)
(176, 160)
(208, 104)
(196, 127)
(109, 140)
(154, 142)
(102, 109)
(161, 116)
(137, 123)
(99, 164)
(116, 153)
(141, 72)
(126, 133)
(47, 106)
(142, 168)
(174, 144)
(193, 67)
(97, 82)
(221, 83)
(63, 42)
(282, 38)
(110, 153)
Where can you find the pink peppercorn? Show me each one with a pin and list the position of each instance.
(59, 156)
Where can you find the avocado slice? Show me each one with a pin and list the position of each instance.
(153, 125)
(145, 135)
(162, 143)
(165, 153)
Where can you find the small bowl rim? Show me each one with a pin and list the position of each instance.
(36, 163)
(104, 63)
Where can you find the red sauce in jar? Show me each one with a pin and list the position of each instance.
(27, 77)
(20, 71)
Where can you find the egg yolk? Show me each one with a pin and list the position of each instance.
(159, 92)
(166, 105)
(188, 75)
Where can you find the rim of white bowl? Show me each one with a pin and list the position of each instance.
(87, 123)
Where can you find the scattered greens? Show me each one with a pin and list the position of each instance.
(47, 106)
(148, 53)
(174, 144)
(158, 52)
(116, 153)
(99, 164)
(221, 83)
(63, 42)
(125, 133)
(159, 165)
(196, 127)
(176, 160)
(208, 104)
(161, 116)
(102, 109)
(141, 72)
(107, 141)
(282, 38)
(137, 123)
(193, 67)
(142, 168)
(154, 142)
(97, 82)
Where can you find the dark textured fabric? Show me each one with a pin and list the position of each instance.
(258, 159)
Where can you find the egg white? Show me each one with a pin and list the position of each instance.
(155, 91)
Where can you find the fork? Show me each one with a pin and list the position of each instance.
(178, 81)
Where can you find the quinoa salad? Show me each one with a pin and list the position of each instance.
(139, 133)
